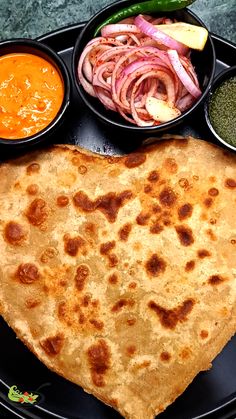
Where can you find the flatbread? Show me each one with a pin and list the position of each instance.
(119, 273)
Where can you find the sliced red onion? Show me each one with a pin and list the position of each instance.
(122, 38)
(185, 102)
(139, 121)
(127, 118)
(133, 40)
(159, 36)
(157, 21)
(127, 20)
(98, 75)
(113, 52)
(183, 75)
(189, 68)
(123, 72)
(105, 98)
(118, 29)
(87, 69)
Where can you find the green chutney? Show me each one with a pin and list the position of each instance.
(222, 110)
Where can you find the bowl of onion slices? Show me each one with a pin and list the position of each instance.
(140, 73)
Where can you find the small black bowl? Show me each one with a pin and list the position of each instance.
(29, 46)
(203, 61)
(223, 76)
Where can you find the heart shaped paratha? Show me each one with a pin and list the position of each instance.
(120, 273)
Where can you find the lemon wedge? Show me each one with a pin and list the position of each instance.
(192, 36)
(160, 110)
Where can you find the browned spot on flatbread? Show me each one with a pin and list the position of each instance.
(52, 345)
(37, 212)
(99, 358)
(75, 161)
(203, 253)
(211, 234)
(165, 356)
(171, 165)
(82, 318)
(90, 229)
(184, 183)
(131, 322)
(48, 254)
(156, 228)
(95, 303)
(105, 248)
(167, 197)
(185, 353)
(230, 183)
(14, 233)
(113, 260)
(142, 218)
(32, 303)
(204, 334)
(32, 168)
(155, 266)
(185, 235)
(212, 221)
(27, 273)
(131, 349)
(190, 265)
(169, 318)
(86, 300)
(216, 279)
(97, 324)
(82, 274)
(134, 160)
(61, 310)
(32, 189)
(153, 176)
(63, 283)
(82, 169)
(213, 192)
(185, 211)
(147, 189)
(73, 245)
(208, 202)
(108, 204)
(212, 179)
(112, 159)
(125, 231)
(113, 402)
(132, 285)
(113, 279)
(62, 201)
(156, 209)
(123, 302)
(143, 364)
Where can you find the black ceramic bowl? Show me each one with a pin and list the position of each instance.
(223, 76)
(36, 48)
(204, 63)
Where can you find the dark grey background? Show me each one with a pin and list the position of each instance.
(31, 18)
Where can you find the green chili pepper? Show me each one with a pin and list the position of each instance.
(150, 6)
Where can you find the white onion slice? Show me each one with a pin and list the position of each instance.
(159, 36)
(182, 74)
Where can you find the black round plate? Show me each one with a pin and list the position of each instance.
(212, 394)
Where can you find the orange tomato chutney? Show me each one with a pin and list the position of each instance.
(31, 94)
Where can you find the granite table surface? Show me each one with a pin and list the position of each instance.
(31, 18)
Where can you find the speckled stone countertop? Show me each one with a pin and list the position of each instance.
(31, 18)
